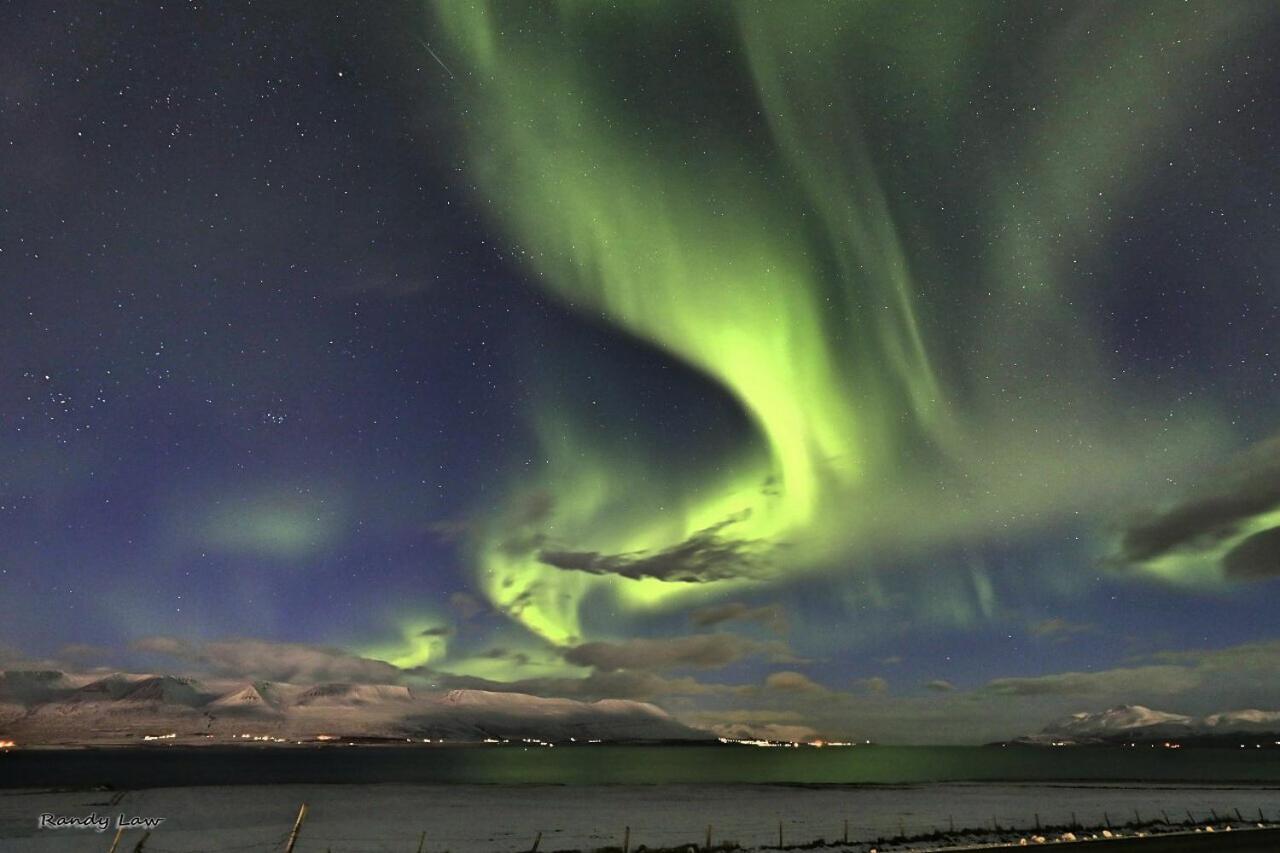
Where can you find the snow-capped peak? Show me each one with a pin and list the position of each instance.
(1118, 719)
(1139, 721)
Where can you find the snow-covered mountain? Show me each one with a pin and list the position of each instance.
(250, 699)
(57, 708)
(1121, 719)
(1131, 723)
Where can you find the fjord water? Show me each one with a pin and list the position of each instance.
(630, 765)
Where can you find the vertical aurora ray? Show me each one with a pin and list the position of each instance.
(766, 254)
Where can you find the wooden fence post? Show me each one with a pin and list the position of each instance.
(142, 842)
(422, 841)
(846, 830)
(708, 844)
(120, 833)
(536, 841)
(779, 834)
(626, 839)
(297, 827)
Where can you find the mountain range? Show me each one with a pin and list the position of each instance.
(1137, 723)
(50, 707)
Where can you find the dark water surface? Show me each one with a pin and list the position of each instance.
(610, 765)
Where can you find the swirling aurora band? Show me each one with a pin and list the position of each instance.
(765, 257)
(709, 263)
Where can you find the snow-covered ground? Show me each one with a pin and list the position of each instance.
(495, 819)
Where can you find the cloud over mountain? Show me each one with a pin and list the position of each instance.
(292, 662)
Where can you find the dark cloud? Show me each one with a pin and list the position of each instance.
(500, 653)
(1218, 512)
(705, 556)
(1249, 661)
(1254, 558)
(1216, 678)
(644, 685)
(698, 650)
(437, 631)
(629, 684)
(291, 662)
(1130, 682)
(771, 616)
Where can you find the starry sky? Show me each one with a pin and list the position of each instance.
(861, 367)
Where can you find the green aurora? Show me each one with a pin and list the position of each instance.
(902, 370)
(771, 223)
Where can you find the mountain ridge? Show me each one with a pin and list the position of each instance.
(1138, 723)
(119, 708)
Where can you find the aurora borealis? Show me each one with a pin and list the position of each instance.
(829, 364)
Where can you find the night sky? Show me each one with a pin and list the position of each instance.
(873, 367)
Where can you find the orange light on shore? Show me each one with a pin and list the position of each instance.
(8, 744)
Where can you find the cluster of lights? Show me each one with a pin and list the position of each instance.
(8, 744)
(532, 741)
(169, 736)
(1171, 745)
(788, 744)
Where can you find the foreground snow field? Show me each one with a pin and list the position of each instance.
(497, 819)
